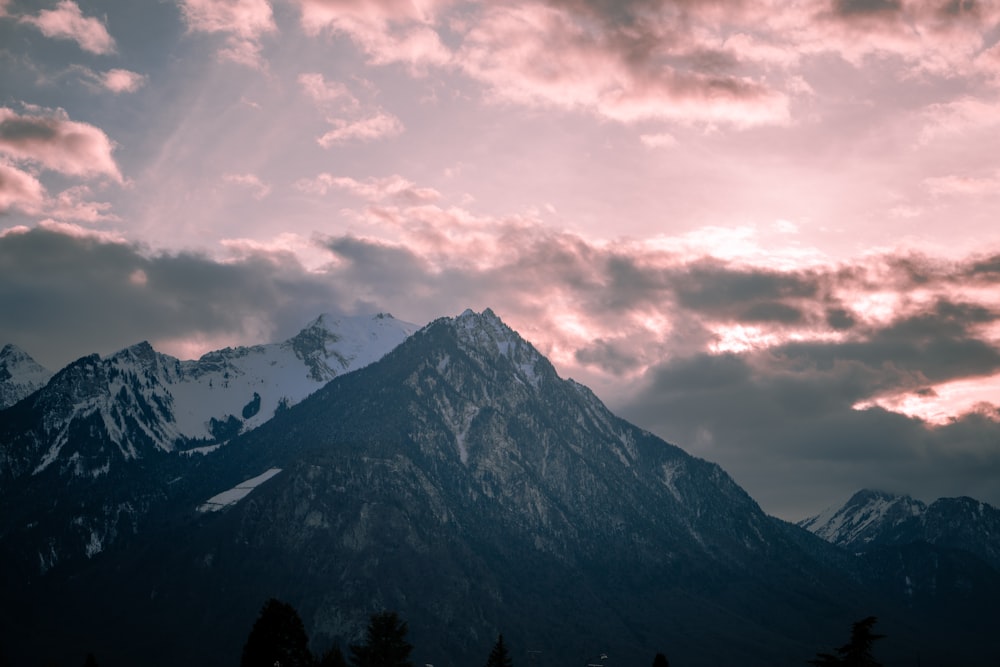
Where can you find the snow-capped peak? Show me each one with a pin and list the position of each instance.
(864, 517)
(20, 375)
(139, 398)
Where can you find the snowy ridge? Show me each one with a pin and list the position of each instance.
(139, 400)
(864, 517)
(20, 375)
(252, 383)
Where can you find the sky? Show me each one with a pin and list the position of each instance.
(765, 231)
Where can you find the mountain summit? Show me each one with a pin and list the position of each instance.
(461, 482)
(20, 375)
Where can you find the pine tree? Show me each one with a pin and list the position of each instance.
(90, 661)
(277, 637)
(499, 657)
(333, 658)
(660, 660)
(855, 653)
(385, 643)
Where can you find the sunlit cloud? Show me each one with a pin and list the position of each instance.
(327, 93)
(373, 190)
(50, 139)
(388, 31)
(258, 188)
(123, 81)
(20, 189)
(379, 126)
(964, 185)
(76, 204)
(66, 21)
(536, 54)
(658, 140)
(242, 22)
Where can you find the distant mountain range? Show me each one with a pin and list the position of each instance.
(873, 519)
(150, 506)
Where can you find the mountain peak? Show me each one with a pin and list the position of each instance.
(864, 518)
(20, 375)
(486, 333)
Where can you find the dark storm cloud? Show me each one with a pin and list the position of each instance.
(614, 357)
(774, 424)
(64, 295)
(716, 286)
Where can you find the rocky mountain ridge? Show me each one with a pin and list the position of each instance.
(876, 519)
(460, 481)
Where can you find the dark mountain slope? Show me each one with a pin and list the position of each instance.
(462, 483)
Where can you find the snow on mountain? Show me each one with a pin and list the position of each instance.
(237, 493)
(866, 516)
(873, 519)
(141, 400)
(20, 375)
(250, 384)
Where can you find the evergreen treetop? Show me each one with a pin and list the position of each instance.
(499, 656)
(385, 643)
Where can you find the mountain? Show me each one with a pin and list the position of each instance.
(460, 481)
(20, 375)
(872, 519)
(139, 400)
(102, 430)
(945, 555)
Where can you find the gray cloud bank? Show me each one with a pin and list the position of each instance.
(780, 416)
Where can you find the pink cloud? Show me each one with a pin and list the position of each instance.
(373, 190)
(964, 185)
(58, 143)
(659, 140)
(248, 19)
(75, 204)
(966, 114)
(66, 21)
(251, 181)
(646, 69)
(123, 81)
(19, 189)
(379, 126)
(327, 93)
(243, 22)
(387, 30)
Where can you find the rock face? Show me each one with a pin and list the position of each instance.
(82, 457)
(461, 482)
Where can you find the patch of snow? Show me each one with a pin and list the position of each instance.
(207, 449)
(237, 493)
(669, 472)
(95, 546)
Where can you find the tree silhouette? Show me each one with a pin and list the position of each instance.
(333, 658)
(90, 661)
(385, 643)
(277, 637)
(499, 657)
(660, 661)
(855, 653)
